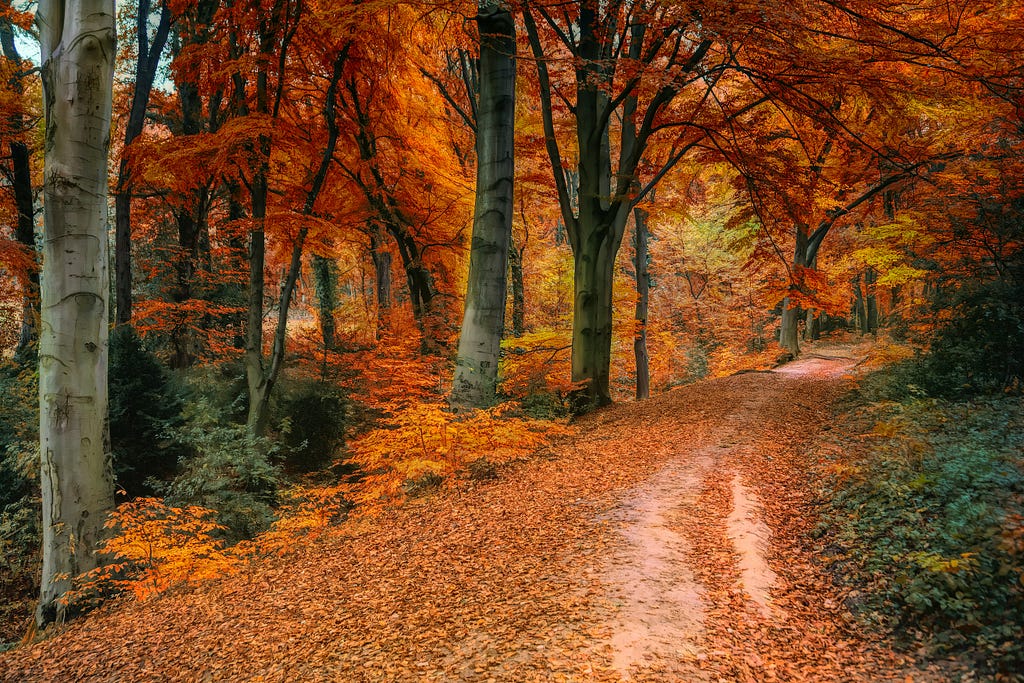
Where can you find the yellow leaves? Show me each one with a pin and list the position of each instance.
(887, 353)
(933, 562)
(537, 361)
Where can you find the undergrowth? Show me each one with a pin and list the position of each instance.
(925, 517)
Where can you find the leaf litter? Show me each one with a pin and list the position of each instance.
(665, 541)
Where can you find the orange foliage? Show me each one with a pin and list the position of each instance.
(426, 439)
(155, 547)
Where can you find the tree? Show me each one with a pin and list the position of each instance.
(476, 369)
(147, 59)
(631, 61)
(77, 48)
(643, 288)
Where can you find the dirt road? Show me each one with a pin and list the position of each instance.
(666, 543)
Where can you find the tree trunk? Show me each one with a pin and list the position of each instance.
(77, 49)
(476, 368)
(643, 287)
(812, 331)
(382, 277)
(860, 311)
(515, 259)
(325, 282)
(594, 266)
(145, 74)
(25, 233)
(870, 301)
(789, 327)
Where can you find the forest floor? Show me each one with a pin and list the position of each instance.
(668, 541)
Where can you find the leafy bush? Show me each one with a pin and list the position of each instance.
(929, 523)
(981, 349)
(153, 547)
(482, 469)
(19, 430)
(229, 471)
(311, 416)
(20, 509)
(544, 405)
(144, 405)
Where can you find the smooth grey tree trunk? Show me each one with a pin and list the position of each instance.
(78, 49)
(476, 369)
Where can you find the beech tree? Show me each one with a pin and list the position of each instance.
(77, 47)
(476, 370)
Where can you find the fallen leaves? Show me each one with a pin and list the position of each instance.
(506, 580)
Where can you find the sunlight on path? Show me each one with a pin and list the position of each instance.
(660, 608)
(751, 539)
(825, 361)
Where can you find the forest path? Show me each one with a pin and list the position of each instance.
(666, 542)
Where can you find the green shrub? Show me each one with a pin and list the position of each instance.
(423, 484)
(19, 430)
(981, 349)
(145, 404)
(929, 524)
(20, 509)
(229, 471)
(544, 405)
(311, 416)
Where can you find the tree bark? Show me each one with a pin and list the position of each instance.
(515, 259)
(476, 368)
(382, 277)
(77, 49)
(643, 287)
(860, 311)
(145, 74)
(789, 326)
(592, 319)
(812, 329)
(325, 282)
(870, 301)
